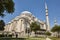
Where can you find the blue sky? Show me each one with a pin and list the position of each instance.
(37, 8)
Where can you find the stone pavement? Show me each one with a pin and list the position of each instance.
(48, 38)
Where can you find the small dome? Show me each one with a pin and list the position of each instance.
(26, 12)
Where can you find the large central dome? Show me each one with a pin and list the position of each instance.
(26, 12)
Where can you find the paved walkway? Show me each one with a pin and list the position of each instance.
(48, 38)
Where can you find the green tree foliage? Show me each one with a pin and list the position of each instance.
(6, 5)
(56, 28)
(48, 33)
(34, 26)
(2, 24)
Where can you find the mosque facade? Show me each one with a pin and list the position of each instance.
(19, 24)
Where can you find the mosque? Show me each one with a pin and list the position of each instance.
(22, 22)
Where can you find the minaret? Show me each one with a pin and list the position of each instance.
(47, 18)
(55, 21)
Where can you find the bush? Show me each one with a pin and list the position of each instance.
(1, 35)
(48, 33)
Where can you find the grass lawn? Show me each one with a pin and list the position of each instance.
(34, 38)
(22, 38)
(55, 38)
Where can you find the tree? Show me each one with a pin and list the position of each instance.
(56, 28)
(34, 27)
(6, 5)
(48, 33)
(2, 24)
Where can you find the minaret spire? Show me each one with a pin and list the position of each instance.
(47, 18)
